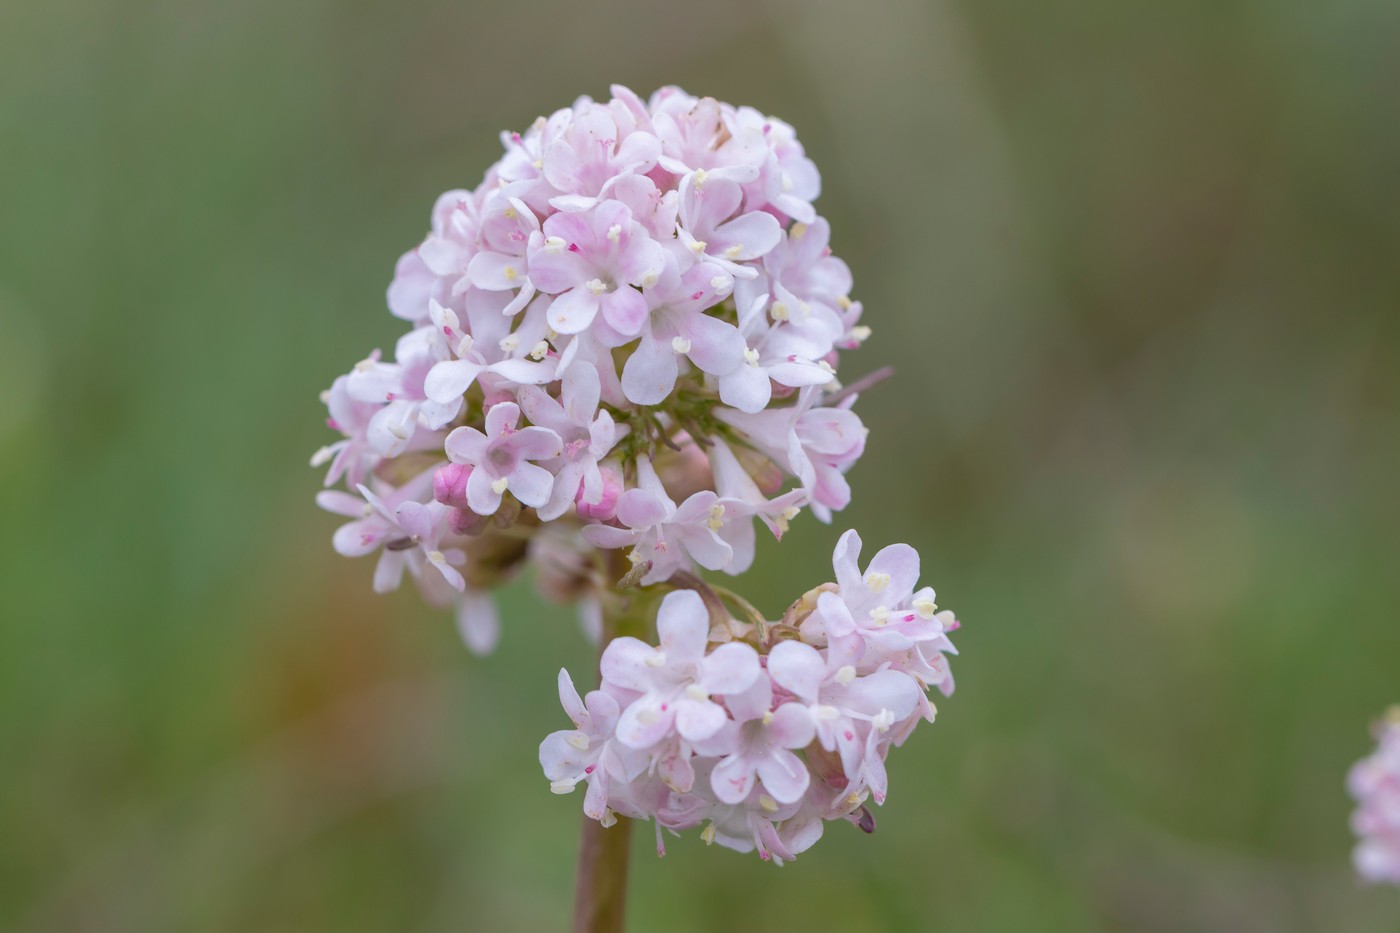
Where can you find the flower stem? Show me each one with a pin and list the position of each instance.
(600, 890)
(600, 894)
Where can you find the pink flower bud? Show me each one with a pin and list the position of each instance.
(606, 507)
(450, 484)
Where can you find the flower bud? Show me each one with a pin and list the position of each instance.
(450, 485)
(606, 507)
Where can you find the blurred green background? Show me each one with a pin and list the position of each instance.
(1136, 264)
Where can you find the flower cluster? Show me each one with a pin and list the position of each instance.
(632, 324)
(761, 732)
(621, 359)
(1375, 783)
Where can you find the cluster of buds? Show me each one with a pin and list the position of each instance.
(623, 347)
(1375, 783)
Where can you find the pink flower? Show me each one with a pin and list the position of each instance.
(762, 739)
(353, 457)
(1374, 782)
(501, 459)
(573, 755)
(587, 433)
(668, 535)
(500, 265)
(590, 261)
(593, 150)
(676, 680)
(408, 532)
(487, 349)
(780, 353)
(712, 227)
(677, 326)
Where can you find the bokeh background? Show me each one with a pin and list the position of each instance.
(1135, 262)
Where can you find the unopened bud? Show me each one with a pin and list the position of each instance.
(450, 484)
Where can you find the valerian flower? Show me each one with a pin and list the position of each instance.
(621, 355)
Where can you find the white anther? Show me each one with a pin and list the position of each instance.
(883, 720)
(699, 177)
(650, 279)
(925, 607)
(877, 581)
(656, 659)
(510, 344)
(464, 346)
(680, 344)
(707, 835)
(615, 232)
(880, 615)
(510, 273)
(798, 231)
(720, 283)
(595, 286)
(555, 244)
(696, 693)
(540, 350)
(562, 787)
(510, 212)
(716, 520)
(437, 557)
(844, 302)
(751, 356)
(499, 486)
(780, 311)
(768, 803)
(768, 718)
(845, 674)
(578, 740)
(734, 251)
(322, 456)
(698, 247)
(647, 716)
(826, 713)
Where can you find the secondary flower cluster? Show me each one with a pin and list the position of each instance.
(1375, 783)
(632, 324)
(762, 732)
